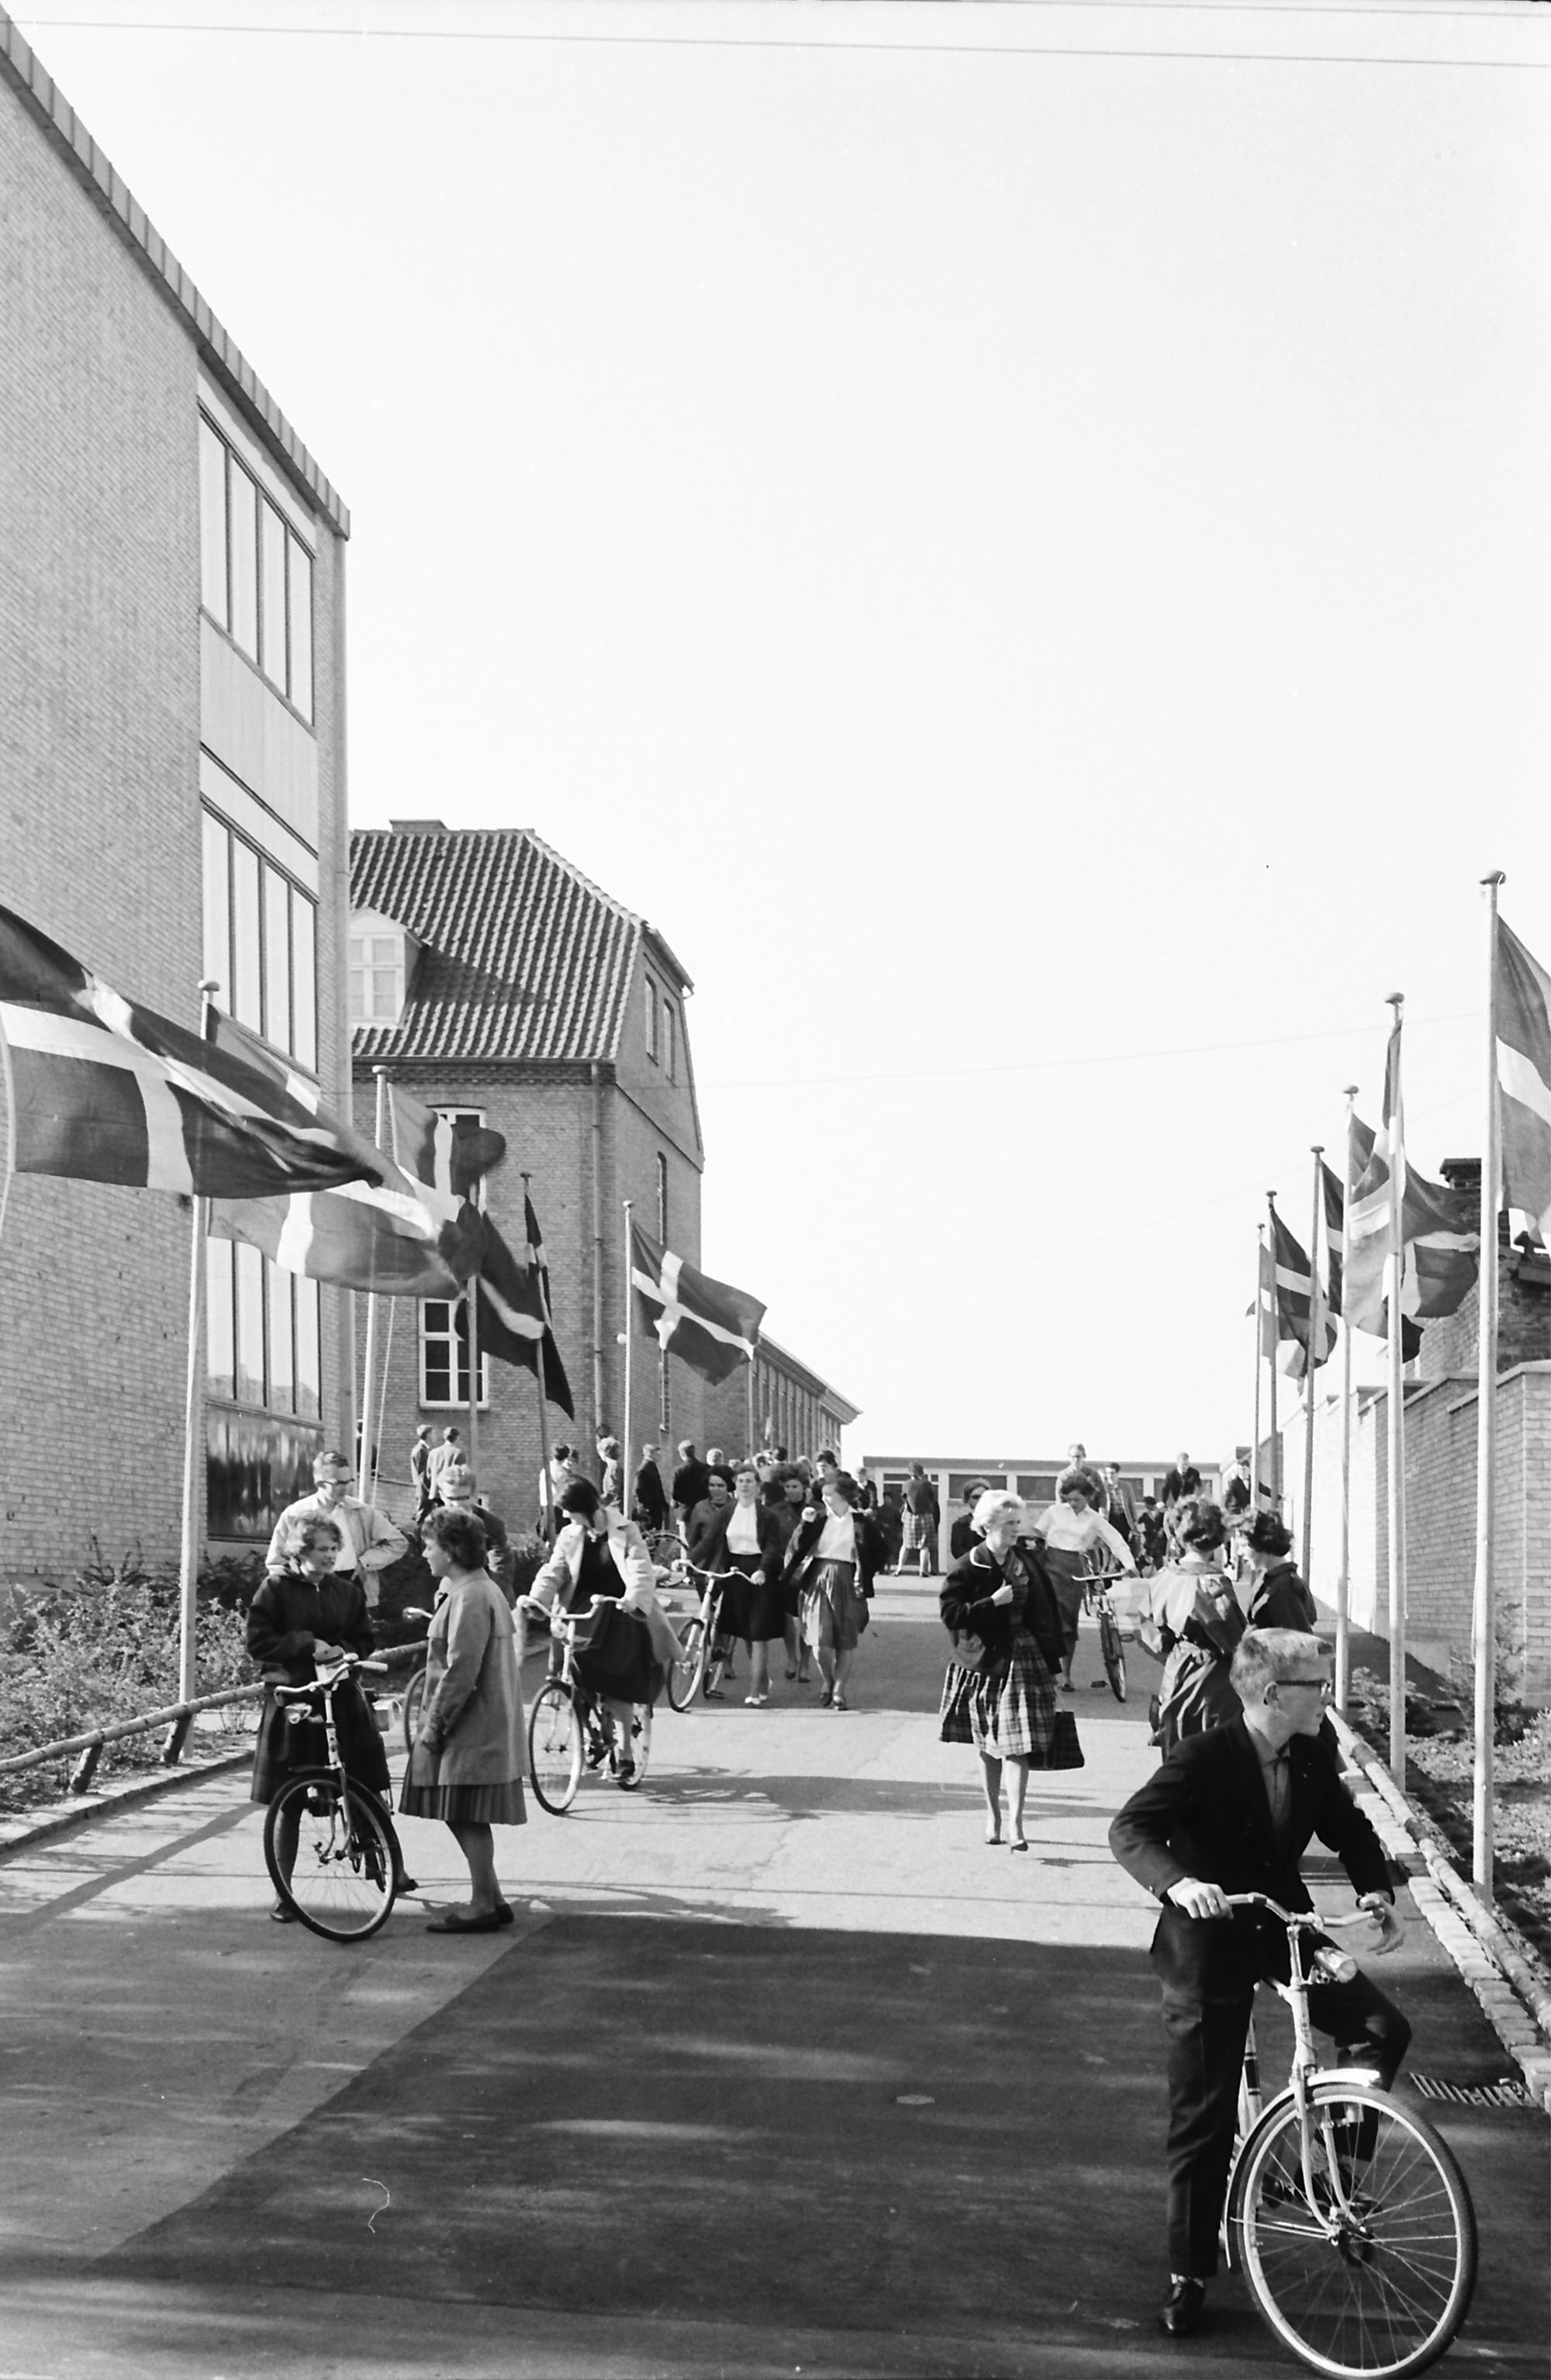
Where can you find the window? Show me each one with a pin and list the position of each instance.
(653, 1027)
(260, 943)
(262, 1337)
(670, 1033)
(377, 971)
(444, 1354)
(255, 572)
(662, 1198)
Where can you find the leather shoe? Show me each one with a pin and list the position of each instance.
(1180, 2312)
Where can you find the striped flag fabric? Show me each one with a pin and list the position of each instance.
(1366, 1230)
(514, 1309)
(1294, 1304)
(1335, 1236)
(1440, 1243)
(707, 1324)
(101, 1089)
(393, 1236)
(1523, 1003)
(447, 1153)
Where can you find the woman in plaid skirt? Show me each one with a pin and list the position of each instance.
(999, 1692)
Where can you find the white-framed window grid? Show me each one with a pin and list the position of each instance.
(255, 572)
(261, 942)
(263, 1332)
(376, 977)
(444, 1352)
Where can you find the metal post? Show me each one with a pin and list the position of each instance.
(365, 1466)
(193, 1417)
(1394, 1273)
(1276, 1341)
(1483, 1627)
(629, 1343)
(1317, 1337)
(1343, 1579)
(1259, 1310)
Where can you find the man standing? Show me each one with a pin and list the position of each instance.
(420, 1471)
(689, 1483)
(1117, 1506)
(1183, 1481)
(446, 1457)
(1233, 1811)
(368, 1542)
(648, 1497)
(1236, 1485)
(922, 1517)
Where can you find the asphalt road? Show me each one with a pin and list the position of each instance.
(782, 2071)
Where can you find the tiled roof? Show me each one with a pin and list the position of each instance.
(522, 956)
(26, 71)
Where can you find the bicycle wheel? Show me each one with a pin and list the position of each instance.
(716, 1654)
(414, 1703)
(344, 1876)
(1384, 2296)
(554, 1747)
(640, 1748)
(1112, 1653)
(666, 1547)
(684, 1678)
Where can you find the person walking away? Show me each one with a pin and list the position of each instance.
(465, 1767)
(306, 1615)
(921, 1517)
(689, 1484)
(1228, 1812)
(1190, 1616)
(648, 1497)
(999, 1692)
(444, 1457)
(743, 1547)
(369, 1543)
(419, 1472)
(1278, 1597)
(1070, 1528)
(833, 1559)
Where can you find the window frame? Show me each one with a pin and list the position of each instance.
(300, 1047)
(295, 567)
(424, 1337)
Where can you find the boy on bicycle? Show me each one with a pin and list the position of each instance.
(1233, 1811)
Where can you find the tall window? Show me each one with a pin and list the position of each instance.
(670, 1037)
(444, 1354)
(262, 1337)
(654, 1028)
(260, 942)
(662, 1198)
(255, 572)
(377, 971)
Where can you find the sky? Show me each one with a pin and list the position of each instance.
(1019, 537)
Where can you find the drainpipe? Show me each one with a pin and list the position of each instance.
(598, 1254)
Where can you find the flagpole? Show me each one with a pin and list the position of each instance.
(546, 1495)
(365, 1466)
(1343, 1577)
(382, 1395)
(1275, 1320)
(629, 1346)
(1483, 1616)
(1316, 1339)
(471, 1304)
(193, 1415)
(1394, 1269)
(1259, 1312)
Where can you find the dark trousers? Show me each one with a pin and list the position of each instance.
(1205, 2053)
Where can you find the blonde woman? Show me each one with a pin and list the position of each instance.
(1000, 1691)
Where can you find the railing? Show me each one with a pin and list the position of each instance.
(177, 1719)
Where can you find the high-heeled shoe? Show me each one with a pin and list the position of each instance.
(1017, 1843)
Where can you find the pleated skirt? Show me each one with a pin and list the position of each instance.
(1007, 1714)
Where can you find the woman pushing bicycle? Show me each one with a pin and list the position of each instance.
(601, 1557)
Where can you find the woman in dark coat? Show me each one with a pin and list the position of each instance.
(745, 1546)
(999, 1693)
(831, 1560)
(1278, 1597)
(301, 1617)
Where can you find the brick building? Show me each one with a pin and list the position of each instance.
(802, 1411)
(1441, 1391)
(171, 752)
(490, 977)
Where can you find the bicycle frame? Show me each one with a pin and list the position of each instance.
(326, 1684)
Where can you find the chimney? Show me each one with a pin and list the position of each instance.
(419, 826)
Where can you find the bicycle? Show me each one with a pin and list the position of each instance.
(566, 1728)
(703, 1663)
(348, 1862)
(1098, 1605)
(415, 1687)
(1350, 2216)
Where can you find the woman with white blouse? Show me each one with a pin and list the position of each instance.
(832, 1560)
(743, 1547)
(1071, 1528)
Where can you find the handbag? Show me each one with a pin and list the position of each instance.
(1065, 1750)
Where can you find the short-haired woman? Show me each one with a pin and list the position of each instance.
(466, 1765)
(743, 1547)
(999, 1692)
(831, 1560)
(1278, 1597)
(307, 1616)
(1071, 1527)
(599, 1556)
(1195, 1624)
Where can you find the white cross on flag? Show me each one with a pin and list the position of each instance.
(706, 1324)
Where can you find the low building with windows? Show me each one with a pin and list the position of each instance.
(1032, 1476)
(786, 1404)
(490, 977)
(172, 748)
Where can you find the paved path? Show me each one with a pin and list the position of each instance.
(879, 2099)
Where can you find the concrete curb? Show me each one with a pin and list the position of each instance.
(28, 1827)
(1515, 2000)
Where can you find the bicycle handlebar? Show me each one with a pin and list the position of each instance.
(1297, 1921)
(328, 1677)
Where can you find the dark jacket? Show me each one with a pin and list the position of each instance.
(1204, 1813)
(690, 1486)
(1178, 1484)
(961, 1536)
(967, 1606)
(649, 1497)
(805, 1536)
(710, 1551)
(1281, 1600)
(289, 1614)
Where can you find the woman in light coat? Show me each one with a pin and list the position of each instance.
(599, 1556)
(466, 1765)
(1069, 1529)
(1192, 1616)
